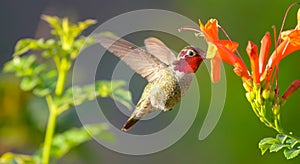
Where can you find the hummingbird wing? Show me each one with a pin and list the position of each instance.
(157, 48)
(145, 64)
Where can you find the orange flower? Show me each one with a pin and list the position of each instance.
(224, 51)
(290, 43)
(291, 89)
(262, 70)
(258, 62)
(253, 55)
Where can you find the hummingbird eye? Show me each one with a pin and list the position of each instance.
(191, 53)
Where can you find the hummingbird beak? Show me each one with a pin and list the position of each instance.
(201, 52)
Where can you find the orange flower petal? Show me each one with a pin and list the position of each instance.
(291, 89)
(210, 29)
(215, 68)
(285, 48)
(264, 52)
(274, 60)
(225, 49)
(229, 57)
(252, 51)
(232, 46)
(292, 35)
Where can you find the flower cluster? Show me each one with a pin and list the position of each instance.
(260, 82)
(262, 63)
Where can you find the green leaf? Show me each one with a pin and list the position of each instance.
(34, 76)
(276, 147)
(266, 143)
(28, 83)
(100, 132)
(67, 33)
(11, 158)
(78, 95)
(47, 83)
(64, 142)
(124, 97)
(281, 137)
(81, 43)
(291, 153)
(85, 24)
(281, 141)
(23, 46)
(11, 66)
(291, 142)
(76, 29)
(22, 66)
(41, 92)
(53, 21)
(114, 89)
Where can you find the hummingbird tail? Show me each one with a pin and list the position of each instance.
(130, 122)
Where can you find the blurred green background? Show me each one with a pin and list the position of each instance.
(236, 136)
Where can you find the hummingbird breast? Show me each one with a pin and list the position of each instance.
(164, 92)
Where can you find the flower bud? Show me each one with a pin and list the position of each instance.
(259, 100)
(266, 94)
(272, 95)
(247, 86)
(291, 89)
(248, 96)
(276, 109)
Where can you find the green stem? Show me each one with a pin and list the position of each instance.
(60, 83)
(277, 124)
(291, 135)
(62, 67)
(271, 118)
(50, 130)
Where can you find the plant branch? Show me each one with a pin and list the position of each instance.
(50, 130)
(62, 69)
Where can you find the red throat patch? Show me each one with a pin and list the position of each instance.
(188, 64)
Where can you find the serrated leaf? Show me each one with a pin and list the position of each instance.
(291, 153)
(85, 24)
(291, 142)
(34, 76)
(76, 29)
(11, 158)
(268, 140)
(276, 147)
(81, 43)
(78, 95)
(19, 64)
(50, 43)
(23, 46)
(38, 69)
(264, 148)
(28, 83)
(67, 32)
(281, 138)
(114, 89)
(41, 92)
(64, 142)
(53, 21)
(266, 143)
(10, 66)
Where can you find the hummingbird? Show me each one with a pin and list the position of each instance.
(168, 76)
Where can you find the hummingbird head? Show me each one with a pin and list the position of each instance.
(189, 59)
